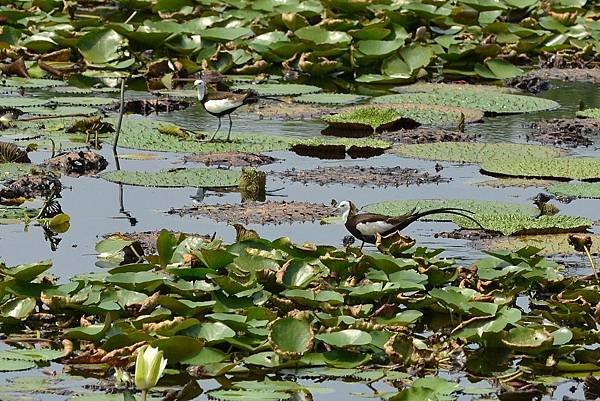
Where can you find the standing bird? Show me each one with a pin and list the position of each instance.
(364, 226)
(222, 103)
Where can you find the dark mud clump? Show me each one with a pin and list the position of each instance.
(259, 212)
(152, 106)
(147, 239)
(426, 135)
(230, 159)
(568, 74)
(362, 176)
(78, 163)
(565, 132)
(528, 83)
(473, 235)
(31, 186)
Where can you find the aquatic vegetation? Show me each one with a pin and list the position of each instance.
(550, 244)
(589, 113)
(577, 190)
(469, 152)
(562, 168)
(265, 301)
(398, 207)
(491, 102)
(278, 89)
(11, 171)
(329, 98)
(182, 177)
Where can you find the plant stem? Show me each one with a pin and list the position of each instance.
(587, 252)
(144, 395)
(120, 120)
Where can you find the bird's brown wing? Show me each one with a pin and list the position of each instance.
(235, 97)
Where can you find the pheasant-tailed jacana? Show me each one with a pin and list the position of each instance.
(222, 103)
(364, 226)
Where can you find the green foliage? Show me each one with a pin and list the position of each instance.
(575, 168)
(278, 89)
(577, 190)
(469, 152)
(491, 102)
(589, 113)
(198, 177)
(329, 98)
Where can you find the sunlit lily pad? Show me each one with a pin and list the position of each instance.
(528, 340)
(589, 113)
(83, 100)
(197, 177)
(469, 152)
(577, 190)
(278, 89)
(329, 98)
(11, 171)
(518, 224)
(31, 82)
(553, 244)
(62, 111)
(562, 168)
(490, 102)
(14, 101)
(398, 207)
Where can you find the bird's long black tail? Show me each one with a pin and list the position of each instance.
(449, 210)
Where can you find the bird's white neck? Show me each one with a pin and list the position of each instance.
(346, 214)
(201, 91)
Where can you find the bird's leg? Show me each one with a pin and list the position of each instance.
(229, 132)
(218, 128)
(361, 245)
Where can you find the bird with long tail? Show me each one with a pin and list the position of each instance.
(365, 226)
(222, 103)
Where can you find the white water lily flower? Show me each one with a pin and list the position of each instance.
(149, 367)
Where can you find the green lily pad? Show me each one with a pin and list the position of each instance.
(469, 152)
(396, 208)
(589, 113)
(83, 100)
(553, 244)
(518, 224)
(561, 168)
(12, 171)
(197, 177)
(370, 119)
(62, 111)
(329, 98)
(14, 101)
(31, 82)
(577, 190)
(248, 395)
(278, 89)
(491, 102)
(345, 338)
(15, 214)
(291, 337)
(101, 46)
(11, 365)
(528, 340)
(143, 134)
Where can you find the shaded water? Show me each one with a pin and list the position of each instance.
(96, 206)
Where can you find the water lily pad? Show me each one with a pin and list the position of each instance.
(337, 148)
(553, 244)
(577, 190)
(369, 119)
(197, 177)
(83, 100)
(490, 102)
(62, 111)
(31, 82)
(518, 224)
(589, 113)
(345, 338)
(12, 171)
(10, 365)
(144, 134)
(396, 208)
(528, 340)
(291, 337)
(14, 101)
(560, 168)
(329, 98)
(278, 89)
(469, 152)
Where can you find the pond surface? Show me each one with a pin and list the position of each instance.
(96, 206)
